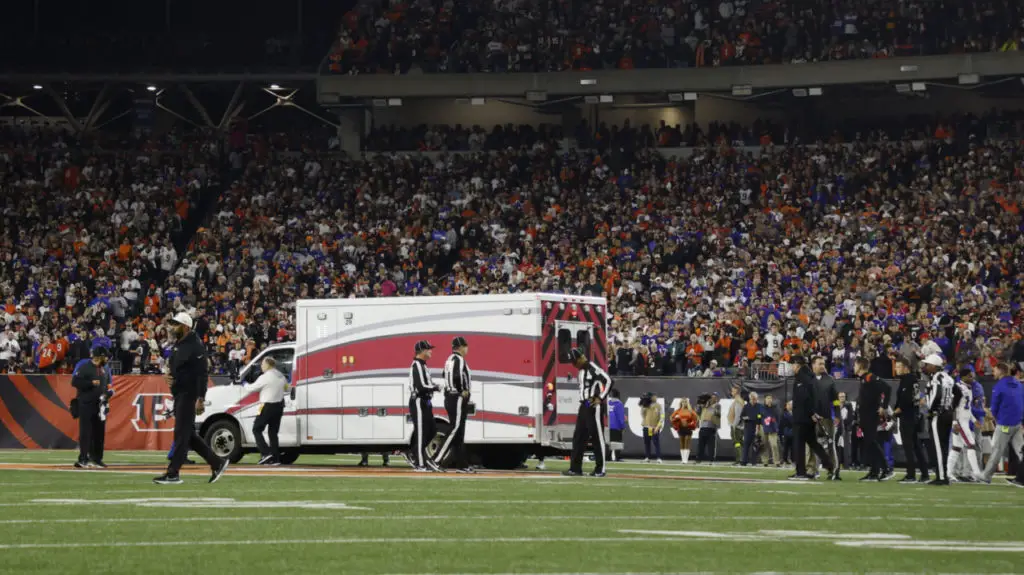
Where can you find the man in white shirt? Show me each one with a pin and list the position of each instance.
(271, 386)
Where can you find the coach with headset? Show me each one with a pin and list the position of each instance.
(456, 402)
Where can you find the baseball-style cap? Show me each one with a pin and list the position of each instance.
(934, 359)
(423, 345)
(458, 342)
(183, 318)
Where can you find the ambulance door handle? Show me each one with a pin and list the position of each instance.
(328, 373)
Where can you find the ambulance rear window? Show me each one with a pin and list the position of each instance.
(583, 342)
(564, 345)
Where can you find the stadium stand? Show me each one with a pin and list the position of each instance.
(435, 36)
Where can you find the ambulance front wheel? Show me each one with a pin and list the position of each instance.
(225, 439)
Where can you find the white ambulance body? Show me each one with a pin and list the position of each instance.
(350, 374)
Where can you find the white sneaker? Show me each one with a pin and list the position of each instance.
(660, 461)
(647, 460)
(541, 466)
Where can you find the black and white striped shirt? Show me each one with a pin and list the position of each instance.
(420, 384)
(940, 393)
(594, 382)
(456, 375)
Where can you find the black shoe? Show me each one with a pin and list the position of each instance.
(939, 482)
(869, 477)
(434, 467)
(908, 479)
(834, 476)
(1015, 482)
(387, 462)
(219, 470)
(924, 480)
(464, 470)
(266, 460)
(166, 479)
(596, 474)
(363, 463)
(572, 473)
(799, 477)
(887, 475)
(80, 464)
(190, 461)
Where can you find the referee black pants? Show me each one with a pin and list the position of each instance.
(941, 426)
(185, 434)
(912, 450)
(457, 408)
(269, 419)
(589, 428)
(806, 435)
(421, 410)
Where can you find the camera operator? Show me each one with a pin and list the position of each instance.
(709, 413)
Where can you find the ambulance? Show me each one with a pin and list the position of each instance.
(349, 370)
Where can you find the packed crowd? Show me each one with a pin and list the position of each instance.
(437, 36)
(85, 222)
(719, 262)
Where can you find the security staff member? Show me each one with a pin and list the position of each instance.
(595, 385)
(909, 413)
(91, 380)
(271, 385)
(805, 419)
(872, 400)
(421, 392)
(188, 379)
(940, 413)
(827, 406)
(456, 402)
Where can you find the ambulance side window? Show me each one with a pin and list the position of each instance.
(564, 345)
(583, 342)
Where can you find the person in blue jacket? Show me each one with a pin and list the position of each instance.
(1008, 410)
(616, 420)
(786, 433)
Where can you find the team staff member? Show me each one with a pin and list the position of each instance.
(595, 385)
(940, 413)
(90, 379)
(189, 376)
(827, 407)
(873, 399)
(1008, 410)
(271, 385)
(421, 392)
(805, 419)
(457, 381)
(909, 413)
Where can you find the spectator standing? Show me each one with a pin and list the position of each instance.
(653, 420)
(786, 433)
(751, 416)
(770, 429)
(684, 421)
(735, 419)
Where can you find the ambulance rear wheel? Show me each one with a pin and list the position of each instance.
(504, 457)
(289, 456)
(225, 440)
(443, 429)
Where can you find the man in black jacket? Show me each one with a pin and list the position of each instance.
(827, 408)
(90, 379)
(909, 413)
(805, 419)
(189, 377)
(872, 400)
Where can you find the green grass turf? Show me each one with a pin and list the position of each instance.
(540, 523)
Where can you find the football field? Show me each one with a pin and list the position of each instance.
(324, 515)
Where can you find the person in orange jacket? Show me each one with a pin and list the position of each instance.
(684, 421)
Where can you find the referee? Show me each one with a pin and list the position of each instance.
(421, 409)
(456, 403)
(189, 375)
(595, 385)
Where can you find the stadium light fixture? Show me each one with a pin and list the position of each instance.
(800, 92)
(607, 98)
(588, 82)
(477, 101)
(918, 87)
(394, 102)
(742, 90)
(690, 96)
(151, 88)
(275, 86)
(967, 79)
(36, 87)
(814, 91)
